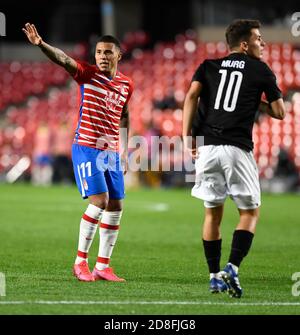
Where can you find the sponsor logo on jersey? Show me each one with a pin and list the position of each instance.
(112, 99)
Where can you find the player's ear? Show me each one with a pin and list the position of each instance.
(120, 56)
(244, 46)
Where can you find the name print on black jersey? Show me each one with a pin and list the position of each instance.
(233, 63)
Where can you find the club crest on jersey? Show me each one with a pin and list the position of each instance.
(112, 99)
(85, 184)
(123, 89)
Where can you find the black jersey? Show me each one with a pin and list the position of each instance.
(231, 94)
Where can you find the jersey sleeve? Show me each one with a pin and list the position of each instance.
(83, 72)
(199, 75)
(270, 87)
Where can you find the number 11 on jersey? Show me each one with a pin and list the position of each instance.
(86, 169)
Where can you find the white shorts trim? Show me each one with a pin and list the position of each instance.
(223, 170)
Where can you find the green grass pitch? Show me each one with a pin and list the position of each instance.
(159, 252)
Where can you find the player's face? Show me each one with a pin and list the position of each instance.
(255, 45)
(107, 56)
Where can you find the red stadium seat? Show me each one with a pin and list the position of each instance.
(174, 64)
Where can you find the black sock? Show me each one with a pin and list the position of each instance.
(241, 243)
(212, 250)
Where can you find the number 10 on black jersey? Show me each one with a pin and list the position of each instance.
(231, 92)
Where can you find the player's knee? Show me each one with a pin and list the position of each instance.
(114, 205)
(248, 219)
(99, 201)
(214, 215)
(256, 213)
(250, 213)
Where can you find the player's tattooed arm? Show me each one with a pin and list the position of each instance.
(59, 57)
(54, 54)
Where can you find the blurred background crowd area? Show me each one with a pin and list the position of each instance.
(163, 43)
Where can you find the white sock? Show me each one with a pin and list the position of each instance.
(108, 230)
(214, 275)
(88, 227)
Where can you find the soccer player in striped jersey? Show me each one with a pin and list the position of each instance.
(97, 164)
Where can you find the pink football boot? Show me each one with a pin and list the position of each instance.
(106, 274)
(82, 272)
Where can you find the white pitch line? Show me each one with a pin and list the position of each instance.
(65, 302)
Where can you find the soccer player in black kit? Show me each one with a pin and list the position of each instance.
(230, 91)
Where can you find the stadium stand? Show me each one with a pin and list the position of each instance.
(34, 92)
(21, 80)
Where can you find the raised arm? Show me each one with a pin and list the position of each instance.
(54, 54)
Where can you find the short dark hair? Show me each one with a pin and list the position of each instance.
(110, 39)
(240, 30)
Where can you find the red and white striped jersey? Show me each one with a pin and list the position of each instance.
(102, 100)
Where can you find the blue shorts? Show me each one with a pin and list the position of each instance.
(98, 171)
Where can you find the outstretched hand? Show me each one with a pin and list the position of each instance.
(32, 34)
